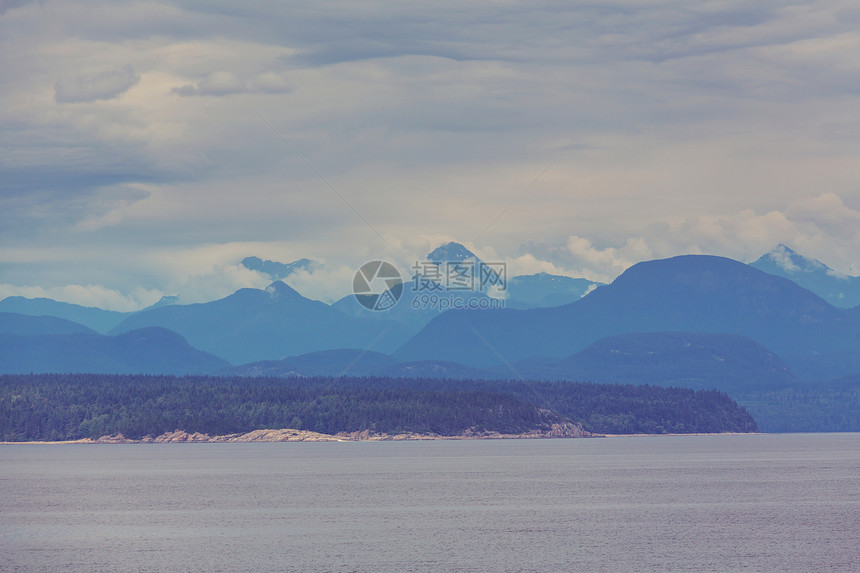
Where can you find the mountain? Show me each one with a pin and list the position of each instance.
(254, 324)
(416, 307)
(837, 289)
(146, 351)
(692, 293)
(274, 269)
(453, 252)
(725, 362)
(425, 292)
(460, 270)
(97, 319)
(354, 362)
(163, 301)
(340, 362)
(524, 291)
(543, 290)
(26, 325)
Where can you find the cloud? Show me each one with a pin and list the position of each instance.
(87, 295)
(827, 212)
(722, 127)
(604, 264)
(782, 257)
(325, 283)
(97, 86)
(820, 227)
(224, 83)
(6, 5)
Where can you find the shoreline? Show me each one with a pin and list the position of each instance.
(291, 435)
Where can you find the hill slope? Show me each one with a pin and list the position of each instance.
(725, 362)
(97, 319)
(149, 351)
(340, 362)
(25, 325)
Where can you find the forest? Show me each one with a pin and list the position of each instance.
(53, 407)
(601, 408)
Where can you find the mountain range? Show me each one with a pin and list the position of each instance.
(688, 360)
(693, 321)
(691, 293)
(260, 324)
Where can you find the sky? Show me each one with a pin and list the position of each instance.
(147, 147)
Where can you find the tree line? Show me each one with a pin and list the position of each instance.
(55, 407)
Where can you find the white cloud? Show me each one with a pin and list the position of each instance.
(325, 283)
(528, 264)
(604, 264)
(783, 258)
(828, 213)
(226, 83)
(87, 295)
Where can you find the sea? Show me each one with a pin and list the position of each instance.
(783, 502)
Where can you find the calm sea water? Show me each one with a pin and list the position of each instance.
(691, 503)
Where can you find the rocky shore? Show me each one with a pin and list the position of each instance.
(566, 430)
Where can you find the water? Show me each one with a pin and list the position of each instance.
(691, 503)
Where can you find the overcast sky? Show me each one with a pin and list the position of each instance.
(147, 147)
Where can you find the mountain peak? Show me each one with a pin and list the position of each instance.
(451, 251)
(282, 289)
(790, 261)
(838, 289)
(164, 301)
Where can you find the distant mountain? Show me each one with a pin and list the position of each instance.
(451, 252)
(340, 362)
(524, 291)
(544, 290)
(354, 362)
(97, 319)
(163, 301)
(416, 307)
(25, 325)
(146, 351)
(725, 362)
(693, 293)
(274, 269)
(253, 324)
(425, 292)
(837, 289)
